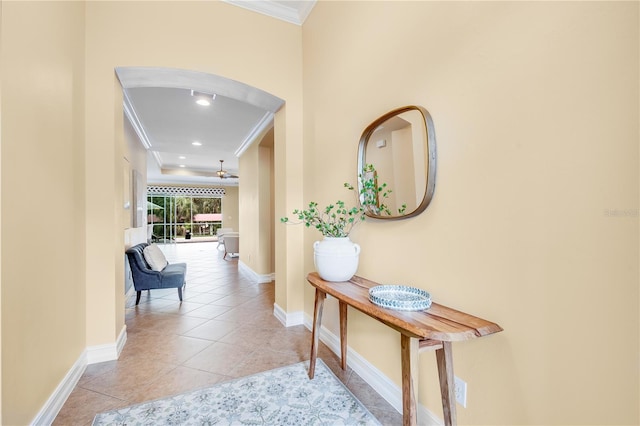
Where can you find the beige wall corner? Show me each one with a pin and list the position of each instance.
(256, 208)
(104, 195)
(289, 247)
(120, 148)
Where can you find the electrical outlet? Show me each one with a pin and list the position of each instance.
(460, 389)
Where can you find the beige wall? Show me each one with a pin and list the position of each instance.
(266, 213)
(403, 187)
(534, 223)
(256, 207)
(288, 182)
(248, 203)
(135, 158)
(42, 282)
(230, 209)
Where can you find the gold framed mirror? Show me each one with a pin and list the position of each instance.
(397, 164)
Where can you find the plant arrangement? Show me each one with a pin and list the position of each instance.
(337, 220)
(372, 195)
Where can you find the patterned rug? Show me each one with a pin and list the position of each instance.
(284, 396)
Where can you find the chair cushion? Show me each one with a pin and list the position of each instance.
(154, 257)
(173, 275)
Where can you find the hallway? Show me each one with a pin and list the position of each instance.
(223, 329)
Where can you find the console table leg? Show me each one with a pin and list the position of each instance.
(444, 358)
(409, 412)
(343, 335)
(315, 333)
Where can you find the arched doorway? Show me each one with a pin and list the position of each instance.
(132, 78)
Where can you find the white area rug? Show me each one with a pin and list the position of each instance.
(284, 396)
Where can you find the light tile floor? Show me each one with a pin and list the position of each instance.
(223, 329)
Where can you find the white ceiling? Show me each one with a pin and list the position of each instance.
(159, 104)
(172, 121)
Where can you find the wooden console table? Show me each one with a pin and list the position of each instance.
(434, 328)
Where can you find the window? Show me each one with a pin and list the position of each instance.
(175, 216)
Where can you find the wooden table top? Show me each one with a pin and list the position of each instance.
(436, 323)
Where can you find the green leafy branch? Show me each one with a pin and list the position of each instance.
(372, 195)
(337, 220)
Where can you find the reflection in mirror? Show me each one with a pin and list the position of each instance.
(397, 164)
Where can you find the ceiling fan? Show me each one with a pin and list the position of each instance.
(223, 174)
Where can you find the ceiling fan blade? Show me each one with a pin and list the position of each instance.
(227, 176)
(223, 174)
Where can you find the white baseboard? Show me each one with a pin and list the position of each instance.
(391, 392)
(108, 352)
(91, 355)
(255, 277)
(54, 404)
(288, 320)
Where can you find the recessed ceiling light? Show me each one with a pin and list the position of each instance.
(196, 143)
(181, 165)
(182, 157)
(203, 99)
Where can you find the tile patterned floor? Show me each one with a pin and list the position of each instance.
(223, 329)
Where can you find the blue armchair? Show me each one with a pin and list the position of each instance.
(145, 278)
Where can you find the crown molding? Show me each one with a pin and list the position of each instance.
(131, 115)
(294, 12)
(256, 133)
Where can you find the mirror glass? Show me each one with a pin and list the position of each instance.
(397, 164)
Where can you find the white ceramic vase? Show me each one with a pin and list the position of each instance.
(336, 259)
